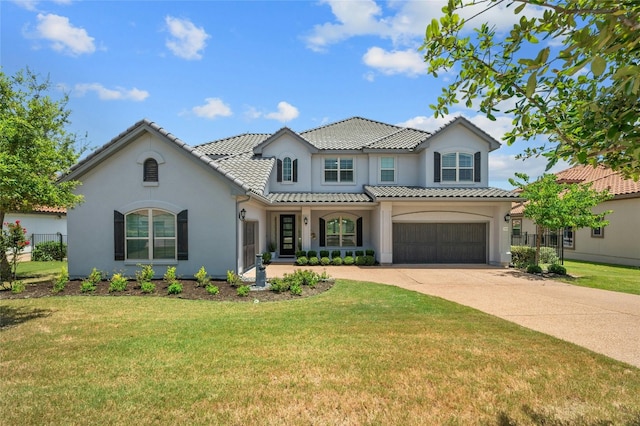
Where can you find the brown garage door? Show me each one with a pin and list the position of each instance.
(439, 243)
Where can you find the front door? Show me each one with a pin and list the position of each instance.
(287, 235)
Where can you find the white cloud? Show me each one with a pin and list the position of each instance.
(32, 5)
(64, 37)
(187, 41)
(408, 62)
(105, 94)
(504, 166)
(286, 112)
(214, 107)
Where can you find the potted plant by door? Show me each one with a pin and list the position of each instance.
(272, 249)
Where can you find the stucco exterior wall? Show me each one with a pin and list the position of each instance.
(361, 174)
(289, 146)
(116, 184)
(407, 169)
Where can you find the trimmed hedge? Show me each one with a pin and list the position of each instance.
(49, 250)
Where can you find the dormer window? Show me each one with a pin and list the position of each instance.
(150, 173)
(287, 170)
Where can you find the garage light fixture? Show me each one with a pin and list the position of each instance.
(507, 217)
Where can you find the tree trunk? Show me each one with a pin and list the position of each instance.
(5, 267)
(538, 243)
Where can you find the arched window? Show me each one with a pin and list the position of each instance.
(341, 232)
(150, 173)
(287, 170)
(150, 234)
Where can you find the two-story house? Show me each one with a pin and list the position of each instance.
(410, 195)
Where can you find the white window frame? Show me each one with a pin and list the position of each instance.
(341, 234)
(382, 169)
(151, 237)
(339, 170)
(457, 167)
(284, 174)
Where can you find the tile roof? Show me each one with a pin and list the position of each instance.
(252, 171)
(309, 197)
(233, 145)
(420, 192)
(601, 178)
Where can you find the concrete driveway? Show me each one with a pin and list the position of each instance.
(602, 321)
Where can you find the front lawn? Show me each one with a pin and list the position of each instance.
(44, 270)
(360, 353)
(624, 279)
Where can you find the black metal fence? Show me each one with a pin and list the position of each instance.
(59, 239)
(551, 240)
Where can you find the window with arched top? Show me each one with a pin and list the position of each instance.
(150, 173)
(287, 170)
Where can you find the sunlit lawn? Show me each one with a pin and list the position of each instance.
(30, 270)
(608, 277)
(360, 353)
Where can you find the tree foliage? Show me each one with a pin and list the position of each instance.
(569, 69)
(554, 205)
(35, 148)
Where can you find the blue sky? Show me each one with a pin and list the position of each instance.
(206, 70)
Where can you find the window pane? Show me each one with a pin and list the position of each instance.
(330, 176)
(387, 163)
(331, 164)
(163, 224)
(164, 249)
(333, 227)
(449, 175)
(346, 163)
(449, 160)
(387, 175)
(137, 224)
(137, 249)
(348, 226)
(466, 175)
(333, 240)
(466, 160)
(348, 241)
(346, 176)
(286, 170)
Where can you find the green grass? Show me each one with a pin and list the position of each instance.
(360, 353)
(27, 270)
(624, 279)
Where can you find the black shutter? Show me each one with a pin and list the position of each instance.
(279, 170)
(436, 167)
(118, 235)
(323, 231)
(359, 232)
(295, 170)
(183, 235)
(476, 166)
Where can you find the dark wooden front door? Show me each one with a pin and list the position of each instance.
(249, 245)
(287, 235)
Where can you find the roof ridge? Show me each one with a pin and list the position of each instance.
(348, 119)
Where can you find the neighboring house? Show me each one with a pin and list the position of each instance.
(616, 243)
(410, 195)
(46, 223)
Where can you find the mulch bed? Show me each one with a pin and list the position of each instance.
(189, 291)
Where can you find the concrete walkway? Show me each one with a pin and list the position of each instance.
(602, 321)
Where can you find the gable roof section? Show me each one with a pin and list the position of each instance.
(233, 145)
(415, 192)
(253, 171)
(493, 144)
(277, 135)
(130, 135)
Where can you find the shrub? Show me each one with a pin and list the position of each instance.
(91, 283)
(278, 285)
(359, 253)
(170, 276)
(49, 250)
(325, 261)
(336, 253)
(233, 279)
(548, 255)
(324, 253)
(243, 290)
(266, 257)
(212, 289)
(521, 256)
(144, 274)
(302, 261)
(147, 287)
(348, 260)
(369, 260)
(18, 287)
(303, 276)
(312, 253)
(369, 252)
(202, 277)
(557, 269)
(301, 253)
(337, 261)
(62, 280)
(314, 261)
(87, 286)
(360, 260)
(296, 289)
(348, 253)
(118, 282)
(534, 269)
(174, 288)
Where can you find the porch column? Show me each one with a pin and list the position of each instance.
(385, 227)
(306, 229)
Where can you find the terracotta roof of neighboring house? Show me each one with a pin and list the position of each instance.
(419, 192)
(44, 209)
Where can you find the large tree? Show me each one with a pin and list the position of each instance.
(568, 69)
(35, 148)
(554, 205)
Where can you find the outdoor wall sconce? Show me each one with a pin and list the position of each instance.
(507, 217)
(242, 214)
(306, 220)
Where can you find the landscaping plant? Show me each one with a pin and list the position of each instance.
(61, 281)
(202, 277)
(118, 282)
(13, 241)
(91, 283)
(243, 290)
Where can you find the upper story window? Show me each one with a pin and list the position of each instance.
(287, 170)
(150, 234)
(338, 169)
(457, 167)
(387, 169)
(150, 170)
